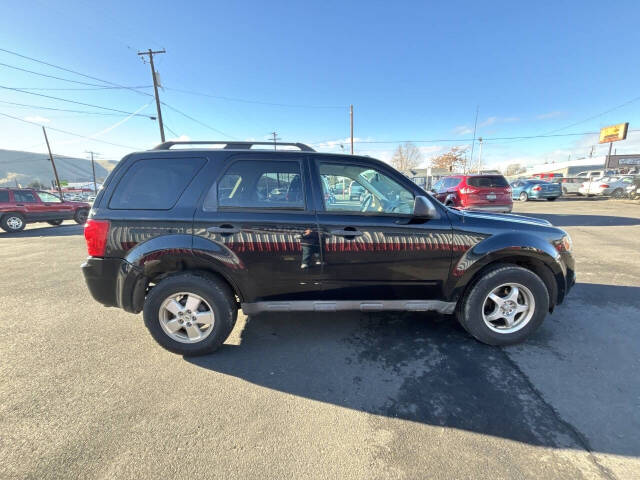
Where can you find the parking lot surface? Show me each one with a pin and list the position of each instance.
(86, 393)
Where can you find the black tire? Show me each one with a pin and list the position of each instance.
(81, 216)
(470, 307)
(523, 197)
(551, 199)
(617, 193)
(214, 292)
(54, 222)
(13, 222)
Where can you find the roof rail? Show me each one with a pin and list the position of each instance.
(232, 145)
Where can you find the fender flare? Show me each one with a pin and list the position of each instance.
(507, 246)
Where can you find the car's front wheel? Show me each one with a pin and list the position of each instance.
(12, 222)
(190, 314)
(504, 306)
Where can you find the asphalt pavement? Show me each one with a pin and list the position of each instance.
(86, 392)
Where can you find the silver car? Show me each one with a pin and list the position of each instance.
(607, 186)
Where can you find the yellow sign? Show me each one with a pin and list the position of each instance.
(614, 133)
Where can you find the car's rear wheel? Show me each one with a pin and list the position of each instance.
(12, 222)
(523, 196)
(81, 216)
(504, 306)
(190, 314)
(617, 193)
(565, 191)
(54, 222)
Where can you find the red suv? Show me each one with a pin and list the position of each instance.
(19, 206)
(475, 192)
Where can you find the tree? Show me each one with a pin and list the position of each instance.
(452, 160)
(37, 185)
(406, 157)
(514, 169)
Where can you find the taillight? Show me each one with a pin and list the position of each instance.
(604, 185)
(507, 190)
(468, 190)
(95, 233)
(537, 188)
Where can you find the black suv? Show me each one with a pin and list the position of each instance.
(189, 235)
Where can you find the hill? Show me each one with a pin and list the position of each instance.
(26, 167)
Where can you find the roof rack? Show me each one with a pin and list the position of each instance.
(233, 145)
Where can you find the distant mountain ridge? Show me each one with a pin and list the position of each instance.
(26, 167)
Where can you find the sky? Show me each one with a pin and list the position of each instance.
(241, 70)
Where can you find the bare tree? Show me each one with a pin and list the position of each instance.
(452, 160)
(514, 169)
(406, 157)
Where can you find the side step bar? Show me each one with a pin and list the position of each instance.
(349, 305)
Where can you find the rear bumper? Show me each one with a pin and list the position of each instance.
(545, 194)
(114, 282)
(491, 208)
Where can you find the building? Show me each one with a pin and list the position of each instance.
(569, 168)
(624, 162)
(426, 177)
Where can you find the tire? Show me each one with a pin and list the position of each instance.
(617, 193)
(523, 197)
(54, 222)
(472, 308)
(81, 216)
(552, 199)
(564, 191)
(13, 222)
(217, 298)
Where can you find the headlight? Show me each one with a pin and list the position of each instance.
(565, 244)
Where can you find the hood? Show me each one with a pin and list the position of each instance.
(508, 217)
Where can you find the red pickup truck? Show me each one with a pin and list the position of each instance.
(19, 206)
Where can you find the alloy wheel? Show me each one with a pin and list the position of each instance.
(508, 308)
(186, 317)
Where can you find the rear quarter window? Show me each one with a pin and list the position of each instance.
(494, 181)
(4, 196)
(154, 183)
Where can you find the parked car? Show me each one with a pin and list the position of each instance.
(569, 185)
(164, 239)
(633, 190)
(355, 191)
(535, 189)
(20, 206)
(475, 192)
(607, 186)
(594, 174)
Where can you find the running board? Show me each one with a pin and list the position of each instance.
(349, 305)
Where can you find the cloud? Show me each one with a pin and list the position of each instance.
(37, 119)
(462, 130)
(181, 138)
(544, 116)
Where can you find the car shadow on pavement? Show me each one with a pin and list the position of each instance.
(417, 367)
(573, 220)
(49, 231)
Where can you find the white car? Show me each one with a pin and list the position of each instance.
(607, 186)
(570, 184)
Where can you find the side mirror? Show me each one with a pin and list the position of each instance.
(423, 208)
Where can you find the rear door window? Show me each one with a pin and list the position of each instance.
(493, 181)
(24, 197)
(260, 184)
(154, 183)
(4, 196)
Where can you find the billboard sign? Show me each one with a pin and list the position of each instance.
(614, 133)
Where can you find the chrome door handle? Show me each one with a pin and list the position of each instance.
(346, 233)
(223, 229)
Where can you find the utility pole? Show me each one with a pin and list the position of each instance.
(475, 126)
(275, 138)
(351, 118)
(93, 168)
(480, 155)
(151, 53)
(53, 164)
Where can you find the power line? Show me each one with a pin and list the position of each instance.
(39, 107)
(71, 133)
(50, 76)
(197, 121)
(77, 103)
(73, 71)
(81, 89)
(244, 100)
